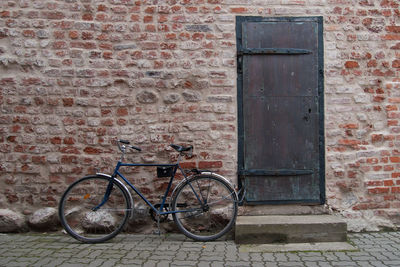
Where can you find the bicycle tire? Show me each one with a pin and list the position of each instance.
(212, 220)
(88, 226)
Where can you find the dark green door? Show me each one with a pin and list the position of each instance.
(280, 103)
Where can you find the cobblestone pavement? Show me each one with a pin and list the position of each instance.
(374, 249)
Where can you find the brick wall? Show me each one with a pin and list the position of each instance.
(77, 74)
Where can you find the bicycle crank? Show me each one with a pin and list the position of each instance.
(154, 215)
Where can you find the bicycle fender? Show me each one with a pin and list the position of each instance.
(123, 186)
(223, 178)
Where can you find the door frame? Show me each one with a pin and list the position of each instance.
(240, 49)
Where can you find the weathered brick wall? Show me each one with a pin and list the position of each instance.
(77, 74)
(362, 42)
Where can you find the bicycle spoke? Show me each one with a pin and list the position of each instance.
(200, 193)
(214, 217)
(222, 198)
(84, 223)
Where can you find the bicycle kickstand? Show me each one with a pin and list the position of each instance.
(158, 231)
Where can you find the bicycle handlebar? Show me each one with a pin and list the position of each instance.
(180, 149)
(125, 142)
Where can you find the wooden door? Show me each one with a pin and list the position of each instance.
(280, 104)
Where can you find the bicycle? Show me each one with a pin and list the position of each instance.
(96, 208)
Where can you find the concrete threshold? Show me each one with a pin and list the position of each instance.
(298, 247)
(276, 229)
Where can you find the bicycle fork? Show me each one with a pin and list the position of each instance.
(106, 195)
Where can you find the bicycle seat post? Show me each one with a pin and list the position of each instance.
(179, 158)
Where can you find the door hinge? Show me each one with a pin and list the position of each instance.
(273, 51)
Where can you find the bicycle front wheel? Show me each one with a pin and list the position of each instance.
(205, 206)
(87, 215)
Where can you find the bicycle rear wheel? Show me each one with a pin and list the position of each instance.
(81, 219)
(206, 207)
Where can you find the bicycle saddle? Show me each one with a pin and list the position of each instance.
(181, 148)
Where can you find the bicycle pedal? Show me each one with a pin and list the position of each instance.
(157, 232)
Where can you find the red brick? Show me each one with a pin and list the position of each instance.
(188, 165)
(87, 17)
(239, 10)
(55, 140)
(150, 10)
(394, 29)
(378, 190)
(69, 141)
(148, 19)
(87, 35)
(210, 164)
(396, 46)
(107, 55)
(372, 160)
(379, 99)
(68, 102)
(374, 183)
(396, 63)
(69, 159)
(107, 122)
(38, 159)
(56, 15)
(349, 126)
(351, 64)
(69, 150)
(395, 189)
(176, 9)
(388, 183)
(349, 142)
(92, 151)
(376, 138)
(122, 112)
(391, 37)
(60, 45)
(395, 159)
(102, 8)
(388, 168)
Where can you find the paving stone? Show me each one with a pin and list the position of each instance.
(377, 264)
(281, 257)
(324, 264)
(130, 262)
(163, 264)
(256, 257)
(344, 263)
(96, 263)
(130, 250)
(291, 264)
(268, 257)
(390, 255)
(378, 256)
(212, 257)
(109, 263)
(392, 263)
(204, 264)
(183, 263)
(236, 263)
(217, 264)
(342, 256)
(364, 263)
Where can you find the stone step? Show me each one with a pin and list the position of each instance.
(289, 229)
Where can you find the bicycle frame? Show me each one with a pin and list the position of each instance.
(157, 211)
